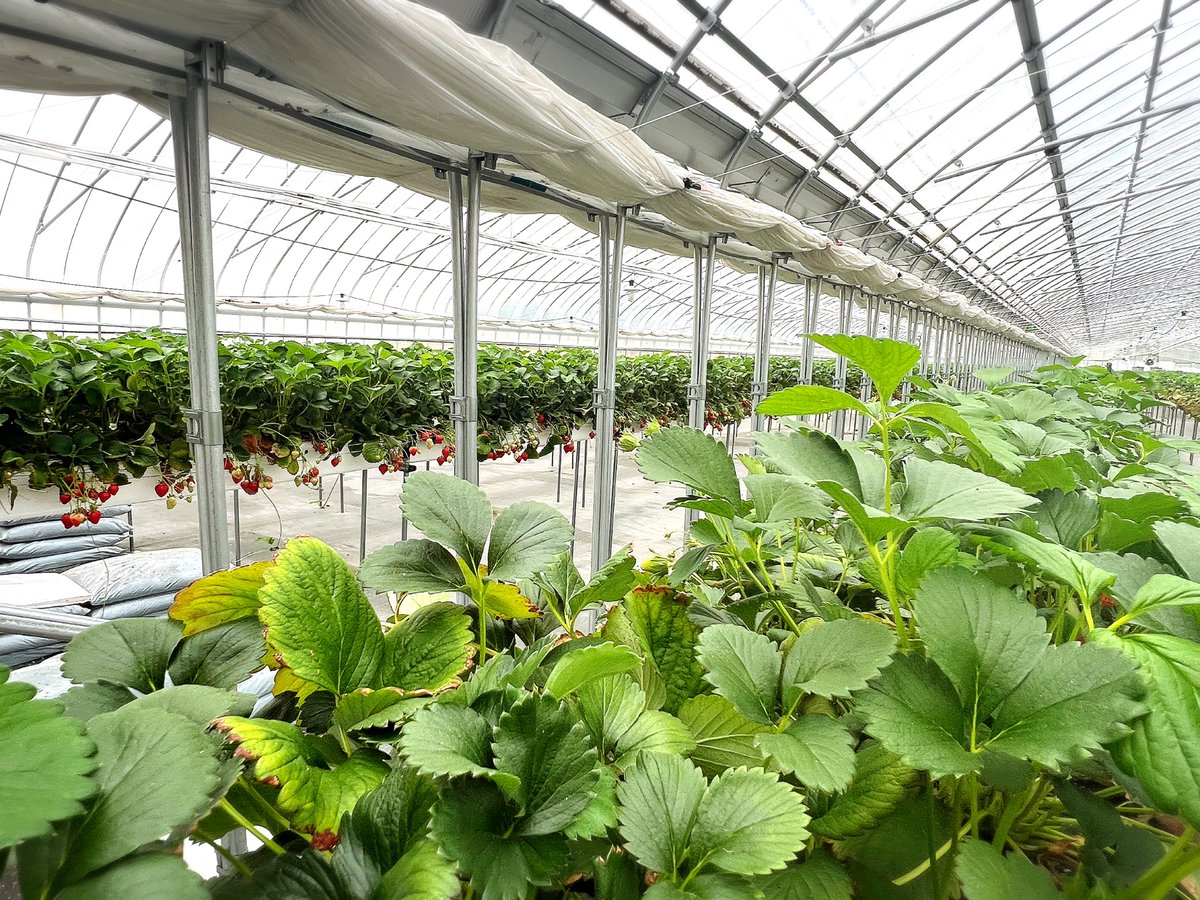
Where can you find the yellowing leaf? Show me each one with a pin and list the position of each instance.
(505, 601)
(317, 783)
(219, 598)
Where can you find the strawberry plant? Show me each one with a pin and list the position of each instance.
(101, 411)
(955, 658)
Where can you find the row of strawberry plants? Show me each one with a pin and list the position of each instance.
(1180, 388)
(955, 659)
(85, 414)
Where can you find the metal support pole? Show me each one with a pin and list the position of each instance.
(864, 392)
(845, 315)
(464, 404)
(189, 134)
(362, 520)
(705, 260)
(924, 343)
(237, 529)
(812, 306)
(605, 400)
(910, 337)
(762, 344)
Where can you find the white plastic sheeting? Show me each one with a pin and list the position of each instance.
(415, 70)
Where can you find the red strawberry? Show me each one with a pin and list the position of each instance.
(437, 439)
(94, 516)
(569, 448)
(162, 488)
(383, 468)
(250, 487)
(179, 487)
(64, 498)
(66, 520)
(335, 460)
(104, 495)
(112, 489)
(92, 494)
(591, 434)
(413, 451)
(69, 478)
(228, 464)
(78, 518)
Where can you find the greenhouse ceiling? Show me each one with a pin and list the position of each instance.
(1028, 161)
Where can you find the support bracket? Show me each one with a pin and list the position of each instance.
(462, 408)
(203, 426)
(604, 399)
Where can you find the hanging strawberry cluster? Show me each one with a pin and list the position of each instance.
(84, 493)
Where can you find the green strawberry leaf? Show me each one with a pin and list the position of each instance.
(816, 749)
(1052, 561)
(412, 567)
(131, 652)
(1162, 591)
(428, 649)
(880, 782)
(658, 803)
(450, 511)
(884, 361)
(1076, 698)
(1066, 517)
(319, 620)
(785, 498)
(45, 760)
(219, 598)
(1161, 752)
(363, 709)
(811, 455)
(144, 875)
(475, 825)
(547, 749)
(526, 538)
(579, 667)
(984, 638)
(986, 874)
(809, 400)
(318, 782)
(744, 669)
(833, 659)
(222, 656)
(934, 489)
(198, 703)
(691, 458)
(749, 823)
(422, 873)
(928, 549)
(608, 585)
(453, 740)
(915, 712)
(1181, 541)
(615, 712)
(725, 739)
(654, 621)
(820, 877)
(139, 798)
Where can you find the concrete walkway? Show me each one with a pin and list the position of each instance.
(286, 511)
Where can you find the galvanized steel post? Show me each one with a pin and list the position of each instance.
(612, 246)
(189, 135)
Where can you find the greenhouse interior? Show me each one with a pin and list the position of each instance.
(527, 449)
